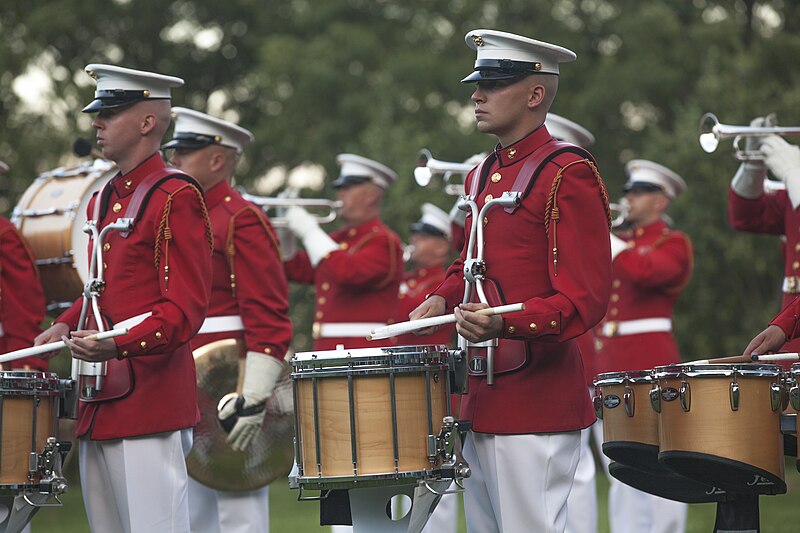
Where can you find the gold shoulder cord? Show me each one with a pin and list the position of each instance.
(551, 208)
(230, 247)
(164, 232)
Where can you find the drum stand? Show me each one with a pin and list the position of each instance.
(475, 267)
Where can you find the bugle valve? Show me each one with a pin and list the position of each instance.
(328, 214)
(712, 132)
(427, 167)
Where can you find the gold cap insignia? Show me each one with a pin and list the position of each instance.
(146, 93)
(478, 40)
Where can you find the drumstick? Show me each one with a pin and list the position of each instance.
(53, 346)
(402, 328)
(746, 359)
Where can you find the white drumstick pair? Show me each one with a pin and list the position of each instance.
(766, 358)
(53, 346)
(401, 328)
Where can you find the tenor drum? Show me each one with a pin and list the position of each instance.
(793, 383)
(29, 403)
(720, 424)
(630, 426)
(669, 485)
(51, 215)
(369, 416)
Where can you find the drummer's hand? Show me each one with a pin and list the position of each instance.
(768, 341)
(475, 327)
(434, 305)
(92, 351)
(53, 334)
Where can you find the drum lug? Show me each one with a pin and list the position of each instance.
(630, 401)
(734, 395)
(686, 396)
(794, 397)
(598, 403)
(776, 395)
(655, 398)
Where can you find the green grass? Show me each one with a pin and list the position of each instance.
(779, 514)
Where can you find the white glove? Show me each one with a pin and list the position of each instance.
(261, 374)
(287, 243)
(748, 182)
(617, 246)
(783, 160)
(458, 216)
(317, 243)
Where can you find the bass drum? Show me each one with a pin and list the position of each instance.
(51, 215)
(212, 461)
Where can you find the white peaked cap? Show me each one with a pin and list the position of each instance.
(196, 130)
(643, 172)
(120, 86)
(356, 169)
(566, 130)
(504, 55)
(434, 221)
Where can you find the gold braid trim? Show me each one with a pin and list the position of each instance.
(164, 232)
(230, 247)
(551, 211)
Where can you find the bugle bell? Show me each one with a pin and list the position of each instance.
(329, 208)
(712, 132)
(427, 167)
(619, 211)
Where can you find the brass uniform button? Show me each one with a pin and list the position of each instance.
(344, 246)
(512, 153)
(158, 335)
(117, 207)
(318, 315)
(553, 324)
(796, 265)
(533, 327)
(124, 353)
(489, 198)
(797, 247)
(639, 232)
(315, 330)
(351, 232)
(106, 246)
(128, 184)
(614, 311)
(511, 330)
(615, 297)
(485, 220)
(325, 286)
(268, 350)
(616, 284)
(322, 300)
(143, 344)
(496, 177)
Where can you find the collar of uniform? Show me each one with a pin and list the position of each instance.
(513, 153)
(218, 193)
(125, 185)
(655, 229)
(353, 231)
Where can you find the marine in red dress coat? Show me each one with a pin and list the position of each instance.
(356, 270)
(163, 267)
(21, 298)
(563, 298)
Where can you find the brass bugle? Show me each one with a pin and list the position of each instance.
(427, 167)
(619, 211)
(329, 208)
(712, 132)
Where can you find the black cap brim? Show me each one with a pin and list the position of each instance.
(344, 181)
(491, 75)
(98, 104)
(427, 229)
(185, 143)
(642, 186)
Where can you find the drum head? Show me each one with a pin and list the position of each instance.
(667, 485)
(79, 239)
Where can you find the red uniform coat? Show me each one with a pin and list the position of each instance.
(648, 277)
(245, 245)
(21, 298)
(137, 281)
(416, 286)
(548, 394)
(772, 213)
(357, 283)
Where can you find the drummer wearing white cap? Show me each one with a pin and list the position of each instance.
(652, 264)
(550, 252)
(249, 302)
(134, 433)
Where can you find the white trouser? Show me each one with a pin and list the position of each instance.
(136, 485)
(445, 517)
(217, 511)
(582, 501)
(633, 511)
(519, 483)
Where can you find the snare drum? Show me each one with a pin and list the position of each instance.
(369, 416)
(630, 426)
(51, 215)
(720, 424)
(793, 383)
(29, 411)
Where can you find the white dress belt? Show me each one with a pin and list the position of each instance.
(218, 324)
(791, 285)
(133, 321)
(615, 328)
(347, 329)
